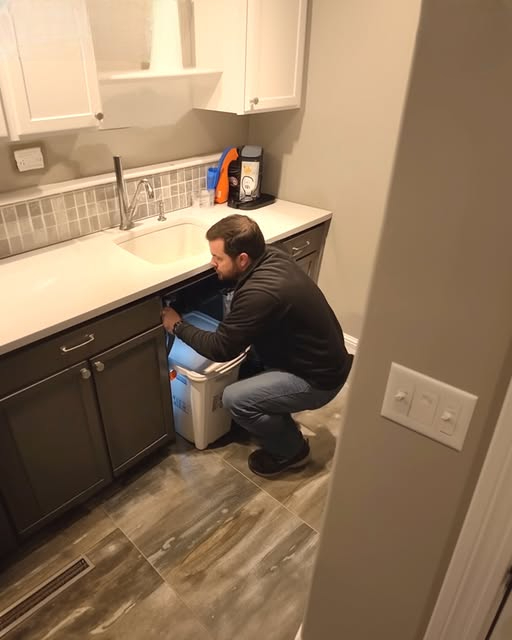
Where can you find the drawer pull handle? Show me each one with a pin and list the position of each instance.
(99, 366)
(297, 250)
(90, 338)
(85, 373)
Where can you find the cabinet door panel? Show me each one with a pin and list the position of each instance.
(52, 451)
(7, 539)
(132, 383)
(275, 54)
(3, 124)
(49, 80)
(309, 265)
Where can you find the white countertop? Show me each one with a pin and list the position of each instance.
(57, 287)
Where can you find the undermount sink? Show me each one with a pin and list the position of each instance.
(179, 241)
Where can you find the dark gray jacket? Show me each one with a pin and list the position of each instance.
(279, 310)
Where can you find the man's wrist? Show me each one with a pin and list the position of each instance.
(176, 325)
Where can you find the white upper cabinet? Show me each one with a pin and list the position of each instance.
(259, 45)
(3, 124)
(48, 76)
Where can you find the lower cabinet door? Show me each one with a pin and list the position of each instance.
(310, 265)
(52, 448)
(132, 383)
(7, 538)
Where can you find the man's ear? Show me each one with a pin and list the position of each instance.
(243, 261)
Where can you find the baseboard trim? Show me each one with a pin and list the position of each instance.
(351, 343)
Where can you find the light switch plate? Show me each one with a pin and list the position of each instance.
(428, 406)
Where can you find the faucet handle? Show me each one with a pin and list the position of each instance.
(161, 217)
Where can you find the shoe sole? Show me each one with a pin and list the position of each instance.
(292, 467)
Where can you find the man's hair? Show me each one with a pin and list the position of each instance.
(240, 234)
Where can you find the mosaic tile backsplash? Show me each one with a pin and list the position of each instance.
(41, 222)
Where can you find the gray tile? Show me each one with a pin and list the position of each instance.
(167, 204)
(53, 235)
(180, 175)
(9, 214)
(74, 229)
(51, 550)
(95, 223)
(174, 177)
(12, 229)
(181, 188)
(122, 597)
(189, 173)
(5, 250)
(184, 202)
(81, 213)
(69, 201)
(110, 191)
(61, 218)
(46, 205)
(79, 198)
(166, 179)
(89, 196)
(35, 208)
(100, 194)
(57, 203)
(157, 181)
(25, 225)
(64, 232)
(38, 222)
(22, 210)
(72, 214)
(85, 226)
(15, 244)
(205, 528)
(102, 207)
(104, 221)
(41, 237)
(3, 230)
(303, 492)
(50, 220)
(175, 203)
(29, 241)
(92, 209)
(174, 190)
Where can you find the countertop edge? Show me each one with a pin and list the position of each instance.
(318, 217)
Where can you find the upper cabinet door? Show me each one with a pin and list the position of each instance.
(3, 124)
(274, 54)
(48, 73)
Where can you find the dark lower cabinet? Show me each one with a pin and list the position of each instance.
(8, 540)
(132, 383)
(310, 264)
(52, 447)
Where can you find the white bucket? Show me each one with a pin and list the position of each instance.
(197, 393)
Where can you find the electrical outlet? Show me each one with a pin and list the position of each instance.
(428, 406)
(29, 159)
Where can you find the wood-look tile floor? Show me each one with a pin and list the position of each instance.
(190, 545)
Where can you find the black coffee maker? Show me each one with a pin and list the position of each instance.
(244, 176)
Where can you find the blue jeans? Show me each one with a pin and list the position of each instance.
(263, 404)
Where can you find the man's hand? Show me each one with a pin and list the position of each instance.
(169, 318)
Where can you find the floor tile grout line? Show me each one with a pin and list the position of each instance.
(196, 618)
(267, 493)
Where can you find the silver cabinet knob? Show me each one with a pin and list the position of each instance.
(85, 373)
(254, 101)
(99, 115)
(99, 366)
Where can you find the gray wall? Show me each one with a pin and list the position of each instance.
(337, 152)
(440, 302)
(86, 153)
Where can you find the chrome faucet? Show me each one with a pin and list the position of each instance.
(127, 209)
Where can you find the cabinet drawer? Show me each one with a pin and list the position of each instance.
(50, 355)
(305, 242)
